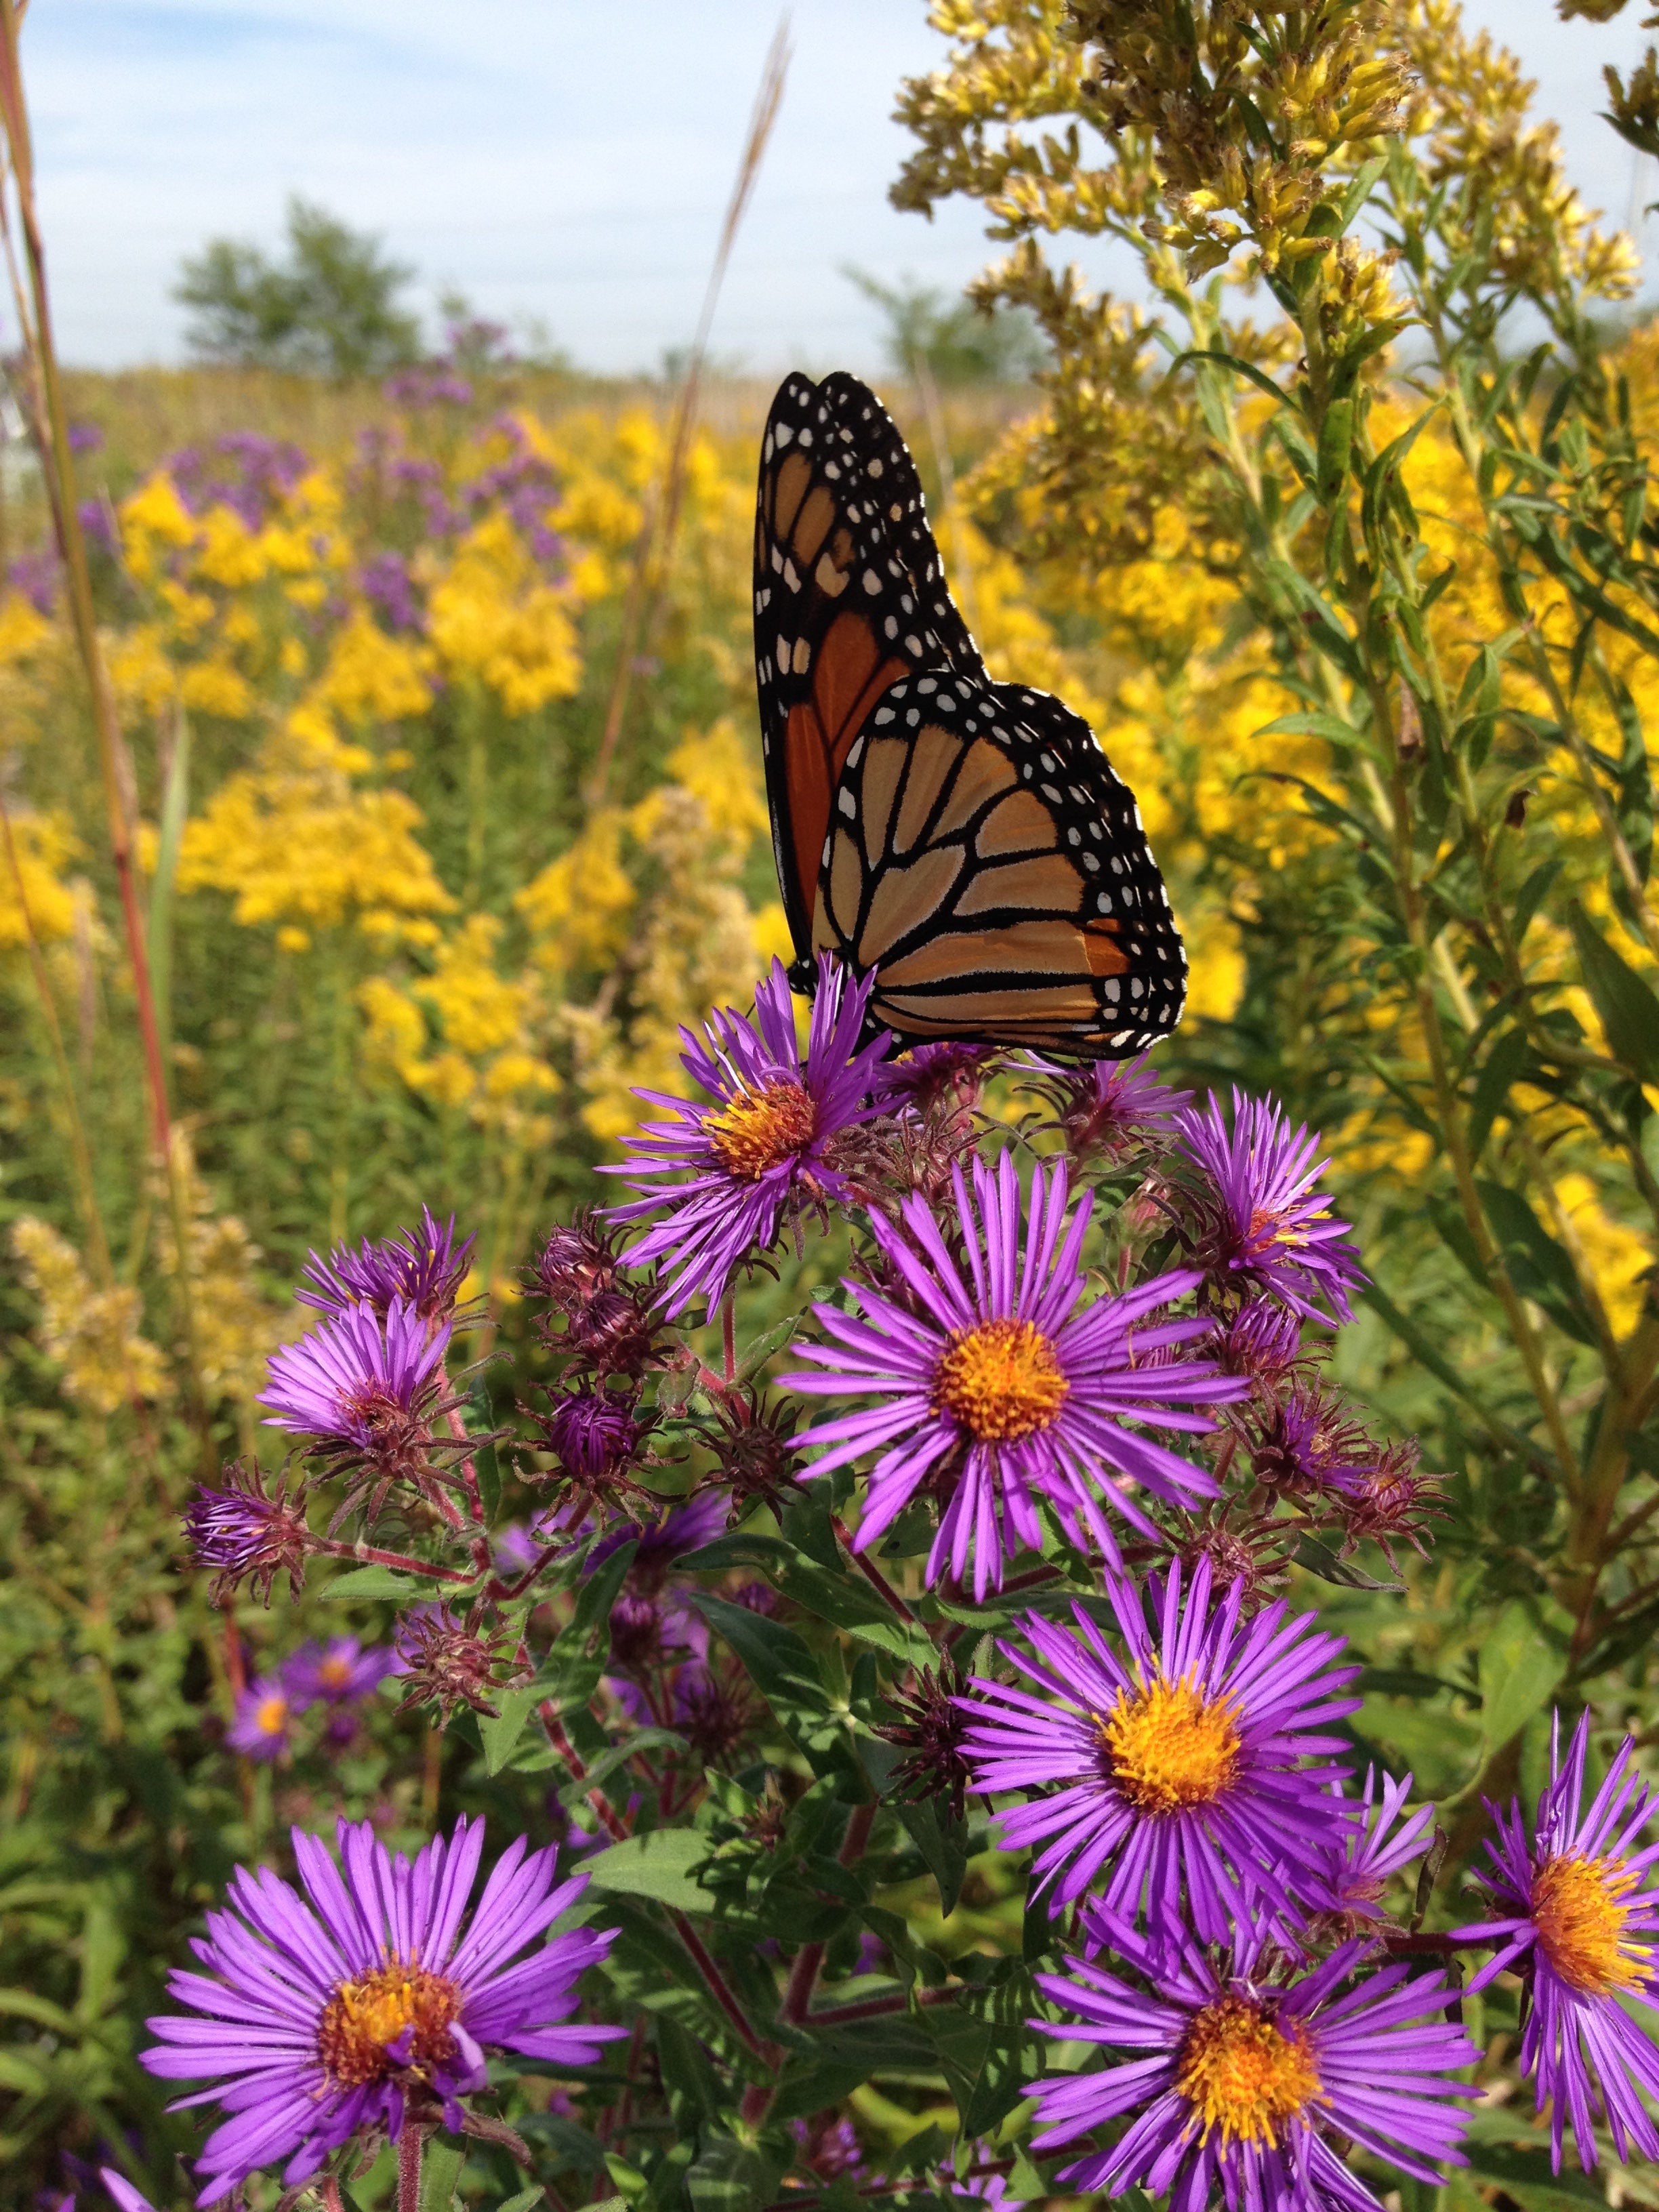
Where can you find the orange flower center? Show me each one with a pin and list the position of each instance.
(334, 1674)
(1001, 1380)
(1169, 1747)
(270, 1716)
(1580, 1925)
(760, 1128)
(1242, 2074)
(364, 2017)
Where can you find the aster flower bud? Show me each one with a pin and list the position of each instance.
(1262, 1340)
(930, 1730)
(448, 1662)
(244, 1533)
(1391, 1502)
(576, 1263)
(1306, 1443)
(752, 1439)
(948, 1076)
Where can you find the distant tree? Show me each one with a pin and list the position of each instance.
(331, 308)
(959, 344)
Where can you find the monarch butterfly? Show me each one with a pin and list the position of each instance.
(967, 839)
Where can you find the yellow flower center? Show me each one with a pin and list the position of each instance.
(1001, 1380)
(363, 2017)
(334, 1674)
(1242, 2074)
(760, 1128)
(1170, 1748)
(1267, 1228)
(271, 1715)
(1580, 1925)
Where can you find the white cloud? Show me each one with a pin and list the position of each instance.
(563, 159)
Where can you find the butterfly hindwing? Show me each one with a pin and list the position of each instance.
(984, 858)
(849, 597)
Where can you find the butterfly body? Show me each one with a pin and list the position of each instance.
(966, 839)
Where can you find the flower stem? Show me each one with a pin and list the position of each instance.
(729, 1338)
(370, 1555)
(873, 1575)
(410, 2143)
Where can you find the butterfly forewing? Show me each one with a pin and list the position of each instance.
(985, 861)
(849, 597)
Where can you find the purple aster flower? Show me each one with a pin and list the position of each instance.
(1239, 2082)
(37, 576)
(85, 438)
(1181, 1776)
(243, 1532)
(363, 2004)
(763, 1143)
(827, 2145)
(363, 1390)
(99, 527)
(1262, 1224)
(126, 2197)
(993, 1391)
(424, 1267)
(264, 1713)
(687, 1529)
(337, 1673)
(1581, 1910)
(1115, 1106)
(1375, 1850)
(386, 584)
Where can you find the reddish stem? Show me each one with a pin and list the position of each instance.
(873, 1575)
(874, 2008)
(469, 1465)
(729, 1338)
(410, 2144)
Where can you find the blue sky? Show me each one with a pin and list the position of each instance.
(568, 159)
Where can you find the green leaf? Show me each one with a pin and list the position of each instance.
(727, 2176)
(1519, 1669)
(658, 1865)
(385, 1582)
(686, 2071)
(440, 2171)
(601, 1769)
(524, 2200)
(1360, 190)
(1539, 1267)
(1524, 2174)
(1262, 382)
(942, 1841)
(499, 1736)
(982, 2065)
(784, 1671)
(570, 1672)
(1319, 1559)
(844, 1598)
(1502, 1069)
(1628, 1008)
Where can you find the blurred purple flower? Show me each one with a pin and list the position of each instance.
(36, 577)
(249, 474)
(85, 438)
(386, 584)
(337, 1673)
(264, 1712)
(686, 1528)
